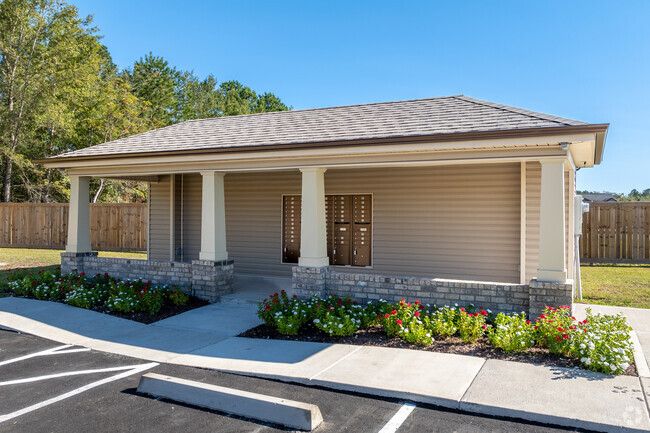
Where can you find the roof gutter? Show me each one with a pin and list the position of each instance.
(599, 130)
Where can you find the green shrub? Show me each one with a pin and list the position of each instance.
(602, 343)
(512, 333)
(443, 322)
(554, 329)
(471, 326)
(177, 297)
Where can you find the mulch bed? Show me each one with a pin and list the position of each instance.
(375, 336)
(166, 311)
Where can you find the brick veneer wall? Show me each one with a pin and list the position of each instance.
(204, 279)
(495, 296)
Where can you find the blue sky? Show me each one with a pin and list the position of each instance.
(585, 60)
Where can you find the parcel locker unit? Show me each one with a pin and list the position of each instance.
(362, 230)
(291, 228)
(342, 218)
(348, 220)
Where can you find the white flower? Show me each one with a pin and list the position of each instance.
(316, 320)
(340, 326)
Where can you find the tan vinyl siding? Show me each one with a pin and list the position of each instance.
(449, 222)
(159, 217)
(459, 222)
(533, 196)
(254, 220)
(192, 189)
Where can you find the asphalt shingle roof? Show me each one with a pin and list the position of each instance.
(385, 120)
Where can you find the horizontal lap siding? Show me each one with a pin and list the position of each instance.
(533, 197)
(192, 195)
(159, 216)
(254, 220)
(459, 222)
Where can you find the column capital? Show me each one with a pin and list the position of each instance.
(212, 173)
(313, 169)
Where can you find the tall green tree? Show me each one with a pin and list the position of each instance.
(47, 54)
(154, 81)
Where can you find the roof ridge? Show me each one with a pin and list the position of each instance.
(535, 114)
(325, 108)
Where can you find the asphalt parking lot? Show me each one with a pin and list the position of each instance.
(49, 387)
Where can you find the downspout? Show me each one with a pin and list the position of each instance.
(578, 231)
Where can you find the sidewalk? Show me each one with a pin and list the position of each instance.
(206, 338)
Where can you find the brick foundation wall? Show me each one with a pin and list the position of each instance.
(495, 296)
(204, 279)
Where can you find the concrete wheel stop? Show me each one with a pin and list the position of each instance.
(288, 413)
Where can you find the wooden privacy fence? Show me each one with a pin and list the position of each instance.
(614, 232)
(113, 226)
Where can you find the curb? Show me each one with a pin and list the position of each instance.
(288, 413)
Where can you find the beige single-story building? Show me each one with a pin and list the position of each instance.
(446, 200)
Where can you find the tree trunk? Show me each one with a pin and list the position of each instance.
(7, 189)
(99, 190)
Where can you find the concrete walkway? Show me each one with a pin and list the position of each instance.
(206, 338)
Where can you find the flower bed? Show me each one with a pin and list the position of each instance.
(135, 300)
(600, 343)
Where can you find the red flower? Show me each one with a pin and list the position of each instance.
(565, 336)
(422, 307)
(484, 327)
(387, 316)
(275, 301)
(528, 323)
(399, 322)
(558, 338)
(282, 291)
(417, 313)
(268, 307)
(355, 303)
(295, 296)
(416, 302)
(462, 309)
(393, 312)
(483, 312)
(81, 274)
(559, 328)
(275, 294)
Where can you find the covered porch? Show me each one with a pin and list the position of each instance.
(492, 233)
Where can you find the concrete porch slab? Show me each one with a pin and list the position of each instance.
(277, 359)
(568, 397)
(428, 377)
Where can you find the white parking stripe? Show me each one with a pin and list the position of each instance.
(138, 369)
(398, 419)
(53, 351)
(67, 373)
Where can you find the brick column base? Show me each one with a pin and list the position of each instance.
(211, 280)
(74, 261)
(544, 294)
(308, 281)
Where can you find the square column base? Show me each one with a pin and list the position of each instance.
(74, 261)
(309, 281)
(543, 294)
(211, 280)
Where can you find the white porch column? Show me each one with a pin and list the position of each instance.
(552, 258)
(313, 231)
(213, 218)
(79, 216)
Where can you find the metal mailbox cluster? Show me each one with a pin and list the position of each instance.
(349, 229)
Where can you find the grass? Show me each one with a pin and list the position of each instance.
(622, 285)
(38, 259)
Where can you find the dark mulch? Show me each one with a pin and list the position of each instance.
(166, 311)
(375, 336)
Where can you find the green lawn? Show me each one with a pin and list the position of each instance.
(621, 284)
(41, 258)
